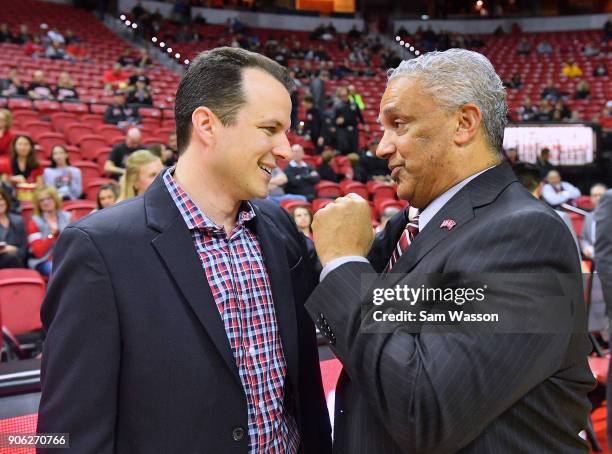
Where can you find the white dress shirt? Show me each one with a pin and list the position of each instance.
(426, 215)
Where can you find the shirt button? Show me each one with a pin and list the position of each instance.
(238, 433)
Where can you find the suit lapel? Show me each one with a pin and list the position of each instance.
(175, 247)
(270, 240)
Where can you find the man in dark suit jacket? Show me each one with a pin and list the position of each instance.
(603, 264)
(175, 320)
(452, 388)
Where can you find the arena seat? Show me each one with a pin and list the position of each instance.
(291, 205)
(348, 186)
(21, 295)
(89, 171)
(93, 186)
(328, 189)
(79, 208)
(90, 144)
(317, 204)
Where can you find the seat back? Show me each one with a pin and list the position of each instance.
(21, 295)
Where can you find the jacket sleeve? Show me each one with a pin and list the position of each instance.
(80, 365)
(38, 245)
(436, 391)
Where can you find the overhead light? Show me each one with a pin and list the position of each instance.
(162, 44)
(479, 3)
(169, 50)
(186, 61)
(417, 53)
(154, 39)
(177, 55)
(424, 17)
(128, 23)
(122, 17)
(401, 43)
(411, 48)
(134, 26)
(397, 38)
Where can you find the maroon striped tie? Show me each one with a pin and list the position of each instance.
(411, 230)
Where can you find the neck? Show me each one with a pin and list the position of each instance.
(209, 194)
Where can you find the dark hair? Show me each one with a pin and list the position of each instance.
(7, 199)
(53, 163)
(544, 150)
(31, 162)
(528, 175)
(156, 149)
(214, 80)
(106, 187)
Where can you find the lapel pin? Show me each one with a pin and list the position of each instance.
(448, 224)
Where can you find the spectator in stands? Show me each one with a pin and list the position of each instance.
(13, 237)
(166, 155)
(34, 48)
(587, 236)
(44, 228)
(6, 137)
(24, 165)
(115, 78)
(126, 58)
(301, 177)
(561, 111)
(325, 170)
(303, 220)
(55, 51)
(527, 112)
(119, 113)
(571, 69)
(65, 89)
(141, 168)
(23, 36)
(115, 164)
(590, 50)
(543, 164)
(607, 30)
(5, 34)
(38, 88)
(600, 70)
(555, 191)
(76, 51)
(140, 94)
(107, 195)
(583, 90)
(70, 38)
(55, 36)
(346, 117)
(276, 185)
(139, 74)
(12, 85)
(544, 111)
(515, 81)
(311, 128)
(355, 97)
(143, 60)
(523, 47)
(376, 169)
(605, 119)
(63, 176)
(550, 91)
(172, 145)
(317, 89)
(512, 156)
(544, 48)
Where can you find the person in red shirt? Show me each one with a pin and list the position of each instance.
(34, 47)
(115, 78)
(6, 120)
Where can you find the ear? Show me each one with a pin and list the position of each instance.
(203, 122)
(469, 119)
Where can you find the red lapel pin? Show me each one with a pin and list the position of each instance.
(448, 223)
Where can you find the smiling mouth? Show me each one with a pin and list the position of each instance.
(265, 168)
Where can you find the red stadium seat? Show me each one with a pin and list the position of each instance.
(21, 295)
(150, 112)
(45, 106)
(79, 208)
(23, 116)
(380, 205)
(317, 204)
(90, 144)
(383, 191)
(291, 205)
(358, 188)
(585, 202)
(36, 128)
(75, 107)
(19, 103)
(75, 131)
(46, 141)
(328, 189)
(60, 119)
(89, 171)
(101, 156)
(92, 188)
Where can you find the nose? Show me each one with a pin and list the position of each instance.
(282, 149)
(386, 148)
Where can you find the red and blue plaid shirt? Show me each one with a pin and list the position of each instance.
(240, 285)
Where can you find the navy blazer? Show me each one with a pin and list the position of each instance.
(136, 358)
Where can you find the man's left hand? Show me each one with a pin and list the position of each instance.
(343, 228)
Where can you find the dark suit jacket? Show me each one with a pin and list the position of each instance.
(470, 391)
(136, 358)
(603, 234)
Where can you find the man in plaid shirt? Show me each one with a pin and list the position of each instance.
(187, 302)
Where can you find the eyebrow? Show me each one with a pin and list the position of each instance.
(276, 123)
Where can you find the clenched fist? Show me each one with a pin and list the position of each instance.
(343, 228)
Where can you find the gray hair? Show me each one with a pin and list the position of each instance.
(456, 77)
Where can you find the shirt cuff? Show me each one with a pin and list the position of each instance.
(335, 263)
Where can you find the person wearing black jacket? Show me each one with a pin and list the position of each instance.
(302, 178)
(346, 117)
(119, 113)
